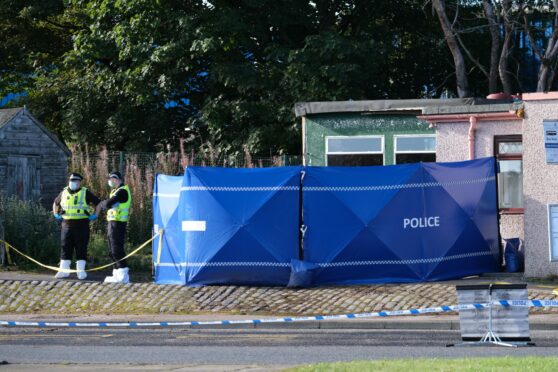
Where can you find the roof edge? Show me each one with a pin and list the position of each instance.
(402, 105)
(492, 107)
(539, 96)
(16, 110)
(465, 117)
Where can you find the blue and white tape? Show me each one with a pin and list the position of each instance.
(430, 310)
(528, 303)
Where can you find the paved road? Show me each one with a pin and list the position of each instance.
(265, 348)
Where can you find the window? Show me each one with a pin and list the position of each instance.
(509, 153)
(353, 151)
(415, 148)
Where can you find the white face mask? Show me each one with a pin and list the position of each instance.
(73, 185)
(111, 183)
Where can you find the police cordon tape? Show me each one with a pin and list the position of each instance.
(430, 310)
(11, 247)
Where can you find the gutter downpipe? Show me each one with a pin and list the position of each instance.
(304, 160)
(472, 129)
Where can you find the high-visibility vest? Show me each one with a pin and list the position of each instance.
(121, 212)
(74, 205)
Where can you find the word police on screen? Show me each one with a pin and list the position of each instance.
(421, 222)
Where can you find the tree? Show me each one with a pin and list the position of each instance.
(139, 74)
(549, 58)
(507, 22)
(125, 80)
(453, 45)
(34, 35)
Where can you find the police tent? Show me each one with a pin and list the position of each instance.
(168, 246)
(402, 223)
(327, 225)
(240, 225)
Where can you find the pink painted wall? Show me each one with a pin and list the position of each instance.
(452, 144)
(540, 183)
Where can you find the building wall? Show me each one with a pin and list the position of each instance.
(540, 187)
(452, 144)
(22, 138)
(318, 127)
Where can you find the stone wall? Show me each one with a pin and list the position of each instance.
(74, 297)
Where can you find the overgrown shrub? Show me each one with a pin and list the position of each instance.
(141, 211)
(97, 251)
(29, 227)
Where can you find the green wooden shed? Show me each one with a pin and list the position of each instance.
(381, 132)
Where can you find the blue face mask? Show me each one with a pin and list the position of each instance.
(73, 185)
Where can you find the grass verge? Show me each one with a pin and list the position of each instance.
(469, 364)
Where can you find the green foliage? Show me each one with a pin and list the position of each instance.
(116, 80)
(34, 36)
(142, 261)
(30, 228)
(98, 254)
(97, 250)
(140, 74)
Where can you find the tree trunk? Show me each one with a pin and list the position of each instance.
(544, 83)
(458, 60)
(506, 46)
(495, 46)
(2, 247)
(548, 60)
(546, 71)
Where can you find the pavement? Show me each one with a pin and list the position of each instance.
(38, 297)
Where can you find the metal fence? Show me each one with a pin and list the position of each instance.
(172, 162)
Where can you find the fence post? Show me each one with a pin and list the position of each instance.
(121, 162)
(2, 247)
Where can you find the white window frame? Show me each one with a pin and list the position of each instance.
(396, 136)
(550, 232)
(382, 152)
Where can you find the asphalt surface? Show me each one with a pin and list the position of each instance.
(241, 347)
(441, 321)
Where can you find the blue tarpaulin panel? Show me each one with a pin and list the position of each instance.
(241, 226)
(404, 223)
(168, 249)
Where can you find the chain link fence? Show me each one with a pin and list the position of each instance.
(172, 163)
